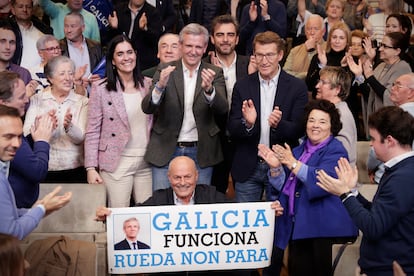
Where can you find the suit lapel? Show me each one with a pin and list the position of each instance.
(178, 77)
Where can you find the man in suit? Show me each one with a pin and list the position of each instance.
(267, 108)
(131, 230)
(386, 222)
(141, 22)
(225, 37)
(184, 97)
(85, 52)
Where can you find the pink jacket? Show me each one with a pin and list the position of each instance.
(108, 130)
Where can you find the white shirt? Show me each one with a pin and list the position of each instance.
(30, 56)
(229, 77)
(80, 56)
(267, 98)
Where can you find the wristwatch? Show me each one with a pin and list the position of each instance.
(294, 165)
(345, 195)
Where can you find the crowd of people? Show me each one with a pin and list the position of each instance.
(210, 93)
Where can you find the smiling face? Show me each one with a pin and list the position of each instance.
(318, 126)
(338, 40)
(225, 38)
(124, 58)
(267, 59)
(393, 25)
(11, 131)
(169, 48)
(183, 176)
(62, 78)
(73, 27)
(193, 48)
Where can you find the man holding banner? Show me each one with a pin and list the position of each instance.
(184, 191)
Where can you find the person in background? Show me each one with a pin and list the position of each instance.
(337, 45)
(314, 219)
(141, 23)
(299, 58)
(267, 108)
(354, 13)
(402, 95)
(85, 53)
(225, 37)
(57, 12)
(30, 165)
(20, 222)
(381, 78)
(334, 84)
(169, 49)
(194, 92)
(28, 29)
(386, 222)
(376, 23)
(68, 109)
(261, 16)
(117, 131)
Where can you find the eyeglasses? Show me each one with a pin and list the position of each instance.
(323, 82)
(385, 46)
(399, 85)
(52, 49)
(356, 45)
(269, 56)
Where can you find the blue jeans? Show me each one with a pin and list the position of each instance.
(252, 189)
(160, 174)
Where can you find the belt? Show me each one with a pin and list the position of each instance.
(186, 144)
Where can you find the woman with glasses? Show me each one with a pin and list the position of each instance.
(339, 38)
(381, 78)
(117, 131)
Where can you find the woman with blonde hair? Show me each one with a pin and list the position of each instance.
(337, 44)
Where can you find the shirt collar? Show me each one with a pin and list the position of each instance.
(4, 167)
(274, 79)
(178, 201)
(186, 70)
(393, 161)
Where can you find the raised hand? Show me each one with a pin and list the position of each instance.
(249, 113)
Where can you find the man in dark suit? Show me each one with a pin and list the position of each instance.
(131, 229)
(141, 22)
(267, 108)
(184, 97)
(225, 37)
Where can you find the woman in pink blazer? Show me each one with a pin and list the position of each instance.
(117, 130)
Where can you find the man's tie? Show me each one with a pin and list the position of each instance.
(135, 245)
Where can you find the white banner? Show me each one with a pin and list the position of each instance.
(190, 238)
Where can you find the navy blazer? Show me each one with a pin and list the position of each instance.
(124, 245)
(318, 213)
(291, 97)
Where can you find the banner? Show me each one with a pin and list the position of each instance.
(101, 9)
(190, 238)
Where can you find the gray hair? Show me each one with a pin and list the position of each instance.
(41, 42)
(194, 29)
(51, 65)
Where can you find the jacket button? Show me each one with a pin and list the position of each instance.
(111, 118)
(113, 135)
(110, 103)
(297, 194)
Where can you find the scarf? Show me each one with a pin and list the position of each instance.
(290, 185)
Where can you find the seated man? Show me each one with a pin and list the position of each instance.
(14, 221)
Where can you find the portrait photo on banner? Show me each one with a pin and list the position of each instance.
(190, 238)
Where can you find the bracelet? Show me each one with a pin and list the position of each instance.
(294, 165)
(161, 90)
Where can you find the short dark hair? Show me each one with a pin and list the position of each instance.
(393, 121)
(224, 19)
(111, 71)
(327, 107)
(7, 111)
(8, 80)
(269, 37)
(398, 41)
(11, 256)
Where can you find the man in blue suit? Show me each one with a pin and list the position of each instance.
(131, 229)
(267, 107)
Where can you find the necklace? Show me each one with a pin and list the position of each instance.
(386, 68)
